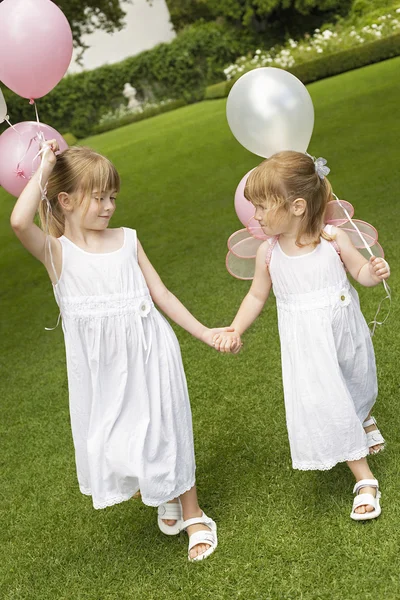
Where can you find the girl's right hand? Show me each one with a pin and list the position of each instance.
(228, 341)
(49, 147)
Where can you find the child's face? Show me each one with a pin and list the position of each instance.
(273, 221)
(101, 209)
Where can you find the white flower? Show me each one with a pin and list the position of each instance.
(144, 308)
(397, 10)
(344, 298)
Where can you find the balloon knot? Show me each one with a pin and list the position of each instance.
(31, 101)
(20, 172)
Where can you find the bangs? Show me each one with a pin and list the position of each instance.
(263, 186)
(101, 176)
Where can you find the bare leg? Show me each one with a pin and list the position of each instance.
(361, 470)
(191, 509)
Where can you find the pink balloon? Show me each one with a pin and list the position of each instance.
(35, 46)
(18, 149)
(244, 209)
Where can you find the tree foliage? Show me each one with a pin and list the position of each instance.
(255, 15)
(87, 16)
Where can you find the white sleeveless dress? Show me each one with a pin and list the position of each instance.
(129, 405)
(328, 362)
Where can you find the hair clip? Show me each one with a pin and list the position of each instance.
(320, 166)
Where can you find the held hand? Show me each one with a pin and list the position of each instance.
(379, 268)
(209, 334)
(228, 341)
(49, 147)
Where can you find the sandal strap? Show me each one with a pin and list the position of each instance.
(374, 438)
(365, 483)
(203, 520)
(201, 537)
(170, 511)
(368, 422)
(364, 500)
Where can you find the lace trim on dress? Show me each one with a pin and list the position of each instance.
(123, 498)
(327, 466)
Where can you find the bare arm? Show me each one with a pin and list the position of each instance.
(367, 273)
(30, 235)
(253, 302)
(170, 304)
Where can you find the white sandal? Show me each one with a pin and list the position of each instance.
(374, 437)
(202, 537)
(365, 499)
(170, 511)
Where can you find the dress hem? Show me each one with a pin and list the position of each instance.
(148, 502)
(328, 466)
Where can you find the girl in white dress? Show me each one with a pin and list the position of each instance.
(129, 405)
(328, 362)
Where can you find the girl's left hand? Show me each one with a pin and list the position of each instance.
(49, 147)
(379, 268)
(209, 334)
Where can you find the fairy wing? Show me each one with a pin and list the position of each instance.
(243, 246)
(362, 235)
(338, 212)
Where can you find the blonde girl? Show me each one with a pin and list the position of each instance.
(129, 405)
(328, 362)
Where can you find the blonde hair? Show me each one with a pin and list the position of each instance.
(283, 178)
(78, 170)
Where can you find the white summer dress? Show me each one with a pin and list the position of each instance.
(328, 362)
(130, 413)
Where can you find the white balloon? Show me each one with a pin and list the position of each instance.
(270, 110)
(3, 108)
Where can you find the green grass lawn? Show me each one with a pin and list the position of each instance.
(283, 534)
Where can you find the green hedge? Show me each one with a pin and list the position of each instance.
(326, 66)
(180, 69)
(346, 60)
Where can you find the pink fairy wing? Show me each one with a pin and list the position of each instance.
(376, 250)
(243, 246)
(360, 233)
(335, 213)
(241, 268)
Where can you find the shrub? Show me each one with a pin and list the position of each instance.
(218, 90)
(330, 40)
(346, 60)
(328, 65)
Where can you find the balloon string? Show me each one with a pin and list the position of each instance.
(11, 125)
(388, 296)
(352, 222)
(375, 321)
(44, 198)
